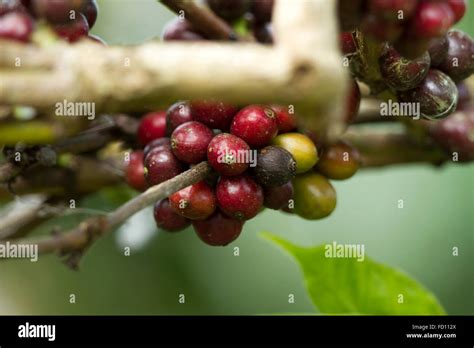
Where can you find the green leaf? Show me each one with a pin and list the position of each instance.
(348, 286)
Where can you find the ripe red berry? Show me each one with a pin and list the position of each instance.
(166, 218)
(240, 197)
(135, 171)
(16, 26)
(177, 114)
(256, 125)
(152, 126)
(91, 11)
(278, 197)
(286, 120)
(214, 114)
(195, 202)
(228, 154)
(73, 30)
(161, 165)
(347, 42)
(190, 140)
(459, 9)
(432, 19)
(218, 229)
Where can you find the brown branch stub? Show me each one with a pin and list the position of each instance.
(203, 18)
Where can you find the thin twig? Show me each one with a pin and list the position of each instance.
(19, 214)
(86, 141)
(384, 147)
(76, 241)
(203, 18)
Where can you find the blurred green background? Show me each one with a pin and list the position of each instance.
(438, 215)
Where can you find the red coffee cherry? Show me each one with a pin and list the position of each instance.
(195, 202)
(256, 125)
(166, 218)
(218, 229)
(177, 114)
(161, 165)
(135, 171)
(214, 114)
(240, 197)
(190, 141)
(286, 121)
(152, 126)
(228, 154)
(432, 19)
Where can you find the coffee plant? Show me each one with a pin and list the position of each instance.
(211, 141)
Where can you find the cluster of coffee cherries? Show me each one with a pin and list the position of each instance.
(258, 160)
(422, 61)
(71, 20)
(254, 15)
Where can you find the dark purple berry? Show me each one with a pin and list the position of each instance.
(190, 141)
(91, 11)
(459, 61)
(161, 165)
(437, 95)
(438, 50)
(278, 197)
(177, 114)
(166, 218)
